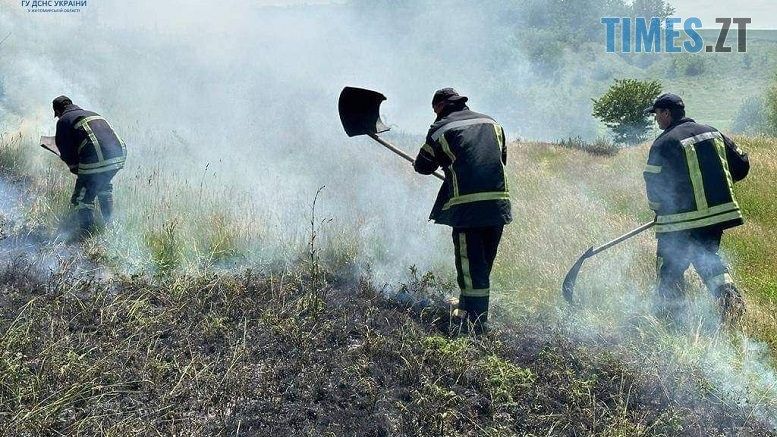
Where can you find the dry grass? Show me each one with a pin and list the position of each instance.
(247, 353)
(198, 348)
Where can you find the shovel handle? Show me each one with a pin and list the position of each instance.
(630, 234)
(394, 149)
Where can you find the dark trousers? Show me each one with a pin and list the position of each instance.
(678, 250)
(476, 250)
(88, 188)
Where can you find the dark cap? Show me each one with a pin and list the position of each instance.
(666, 101)
(448, 94)
(60, 102)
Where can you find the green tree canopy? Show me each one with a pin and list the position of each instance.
(622, 107)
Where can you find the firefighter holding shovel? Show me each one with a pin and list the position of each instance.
(92, 150)
(474, 198)
(690, 177)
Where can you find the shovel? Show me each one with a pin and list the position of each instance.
(360, 114)
(568, 287)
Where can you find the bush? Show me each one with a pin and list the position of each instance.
(771, 107)
(600, 146)
(622, 107)
(694, 66)
(751, 117)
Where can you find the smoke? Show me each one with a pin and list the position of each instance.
(231, 108)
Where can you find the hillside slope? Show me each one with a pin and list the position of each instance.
(299, 350)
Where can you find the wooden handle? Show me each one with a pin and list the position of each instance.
(399, 152)
(623, 237)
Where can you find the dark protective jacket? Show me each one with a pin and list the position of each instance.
(87, 143)
(470, 147)
(689, 178)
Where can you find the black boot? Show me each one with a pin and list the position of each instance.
(730, 303)
(106, 207)
(477, 313)
(85, 224)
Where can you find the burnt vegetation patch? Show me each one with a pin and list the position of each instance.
(259, 354)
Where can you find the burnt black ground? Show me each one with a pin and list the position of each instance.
(263, 354)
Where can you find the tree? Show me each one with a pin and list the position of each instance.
(622, 107)
(652, 8)
(771, 107)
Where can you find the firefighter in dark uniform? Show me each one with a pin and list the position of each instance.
(93, 152)
(689, 177)
(474, 198)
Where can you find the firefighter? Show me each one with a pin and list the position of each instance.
(93, 152)
(474, 198)
(689, 177)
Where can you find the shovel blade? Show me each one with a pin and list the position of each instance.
(568, 287)
(360, 111)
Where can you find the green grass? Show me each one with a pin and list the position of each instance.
(230, 353)
(171, 333)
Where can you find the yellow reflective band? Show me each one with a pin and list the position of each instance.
(425, 147)
(500, 139)
(709, 221)
(717, 281)
(464, 259)
(477, 197)
(93, 138)
(81, 146)
(652, 169)
(720, 147)
(693, 215)
(476, 292)
(102, 163)
(699, 138)
(655, 206)
(102, 169)
(696, 178)
(123, 146)
(461, 123)
(85, 120)
(447, 149)
(85, 206)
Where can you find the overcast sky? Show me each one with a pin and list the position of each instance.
(762, 12)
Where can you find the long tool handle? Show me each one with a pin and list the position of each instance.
(605, 246)
(394, 149)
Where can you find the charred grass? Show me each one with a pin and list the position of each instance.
(258, 354)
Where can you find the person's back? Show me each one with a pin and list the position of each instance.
(474, 198)
(470, 148)
(689, 180)
(689, 199)
(87, 142)
(93, 151)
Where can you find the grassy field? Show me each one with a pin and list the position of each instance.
(193, 333)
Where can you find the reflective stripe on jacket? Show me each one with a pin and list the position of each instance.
(688, 181)
(470, 147)
(87, 143)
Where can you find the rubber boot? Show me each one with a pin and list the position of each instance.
(731, 304)
(85, 224)
(477, 313)
(106, 207)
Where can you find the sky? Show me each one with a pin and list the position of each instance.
(762, 12)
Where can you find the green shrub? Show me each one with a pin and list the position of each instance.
(694, 66)
(771, 107)
(751, 117)
(600, 146)
(622, 107)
